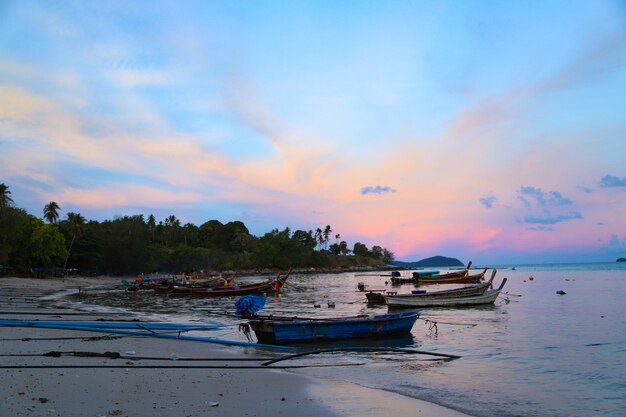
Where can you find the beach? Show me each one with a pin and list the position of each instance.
(157, 377)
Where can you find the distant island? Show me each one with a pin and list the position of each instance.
(435, 261)
(621, 260)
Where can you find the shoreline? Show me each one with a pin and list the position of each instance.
(67, 389)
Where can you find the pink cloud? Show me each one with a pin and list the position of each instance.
(121, 196)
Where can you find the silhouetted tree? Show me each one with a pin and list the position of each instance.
(360, 249)
(5, 200)
(51, 212)
(388, 256)
(76, 222)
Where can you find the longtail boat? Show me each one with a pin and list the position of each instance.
(453, 280)
(271, 285)
(487, 297)
(377, 297)
(466, 279)
(286, 330)
(419, 276)
(186, 288)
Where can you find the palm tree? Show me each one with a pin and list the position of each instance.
(326, 233)
(172, 224)
(319, 238)
(172, 221)
(76, 222)
(151, 225)
(5, 200)
(51, 212)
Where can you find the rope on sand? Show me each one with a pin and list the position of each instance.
(127, 367)
(362, 349)
(117, 355)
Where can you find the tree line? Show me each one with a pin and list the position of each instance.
(135, 244)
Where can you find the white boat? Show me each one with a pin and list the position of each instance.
(377, 297)
(488, 297)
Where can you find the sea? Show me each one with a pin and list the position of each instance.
(534, 353)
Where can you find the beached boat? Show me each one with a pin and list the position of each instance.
(286, 330)
(377, 297)
(271, 285)
(487, 297)
(185, 287)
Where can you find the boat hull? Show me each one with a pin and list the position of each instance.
(265, 287)
(488, 297)
(476, 289)
(307, 330)
(447, 279)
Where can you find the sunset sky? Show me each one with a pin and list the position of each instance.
(492, 131)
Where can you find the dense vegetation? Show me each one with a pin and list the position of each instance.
(134, 244)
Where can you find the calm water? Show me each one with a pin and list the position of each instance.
(541, 354)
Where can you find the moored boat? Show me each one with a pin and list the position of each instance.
(185, 288)
(447, 278)
(271, 285)
(293, 330)
(469, 290)
(465, 279)
(487, 297)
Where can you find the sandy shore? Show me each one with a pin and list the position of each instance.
(171, 385)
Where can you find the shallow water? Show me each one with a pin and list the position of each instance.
(539, 354)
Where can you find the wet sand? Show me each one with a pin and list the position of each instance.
(171, 385)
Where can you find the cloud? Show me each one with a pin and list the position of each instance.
(600, 58)
(542, 199)
(600, 223)
(548, 218)
(545, 207)
(585, 189)
(377, 190)
(541, 229)
(612, 181)
(487, 201)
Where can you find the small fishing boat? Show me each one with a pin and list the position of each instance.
(284, 330)
(447, 278)
(487, 297)
(185, 288)
(469, 290)
(271, 285)
(465, 279)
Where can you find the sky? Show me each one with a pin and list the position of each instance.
(492, 131)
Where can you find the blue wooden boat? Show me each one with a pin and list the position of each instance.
(292, 330)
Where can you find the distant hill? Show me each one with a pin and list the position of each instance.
(621, 260)
(435, 261)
